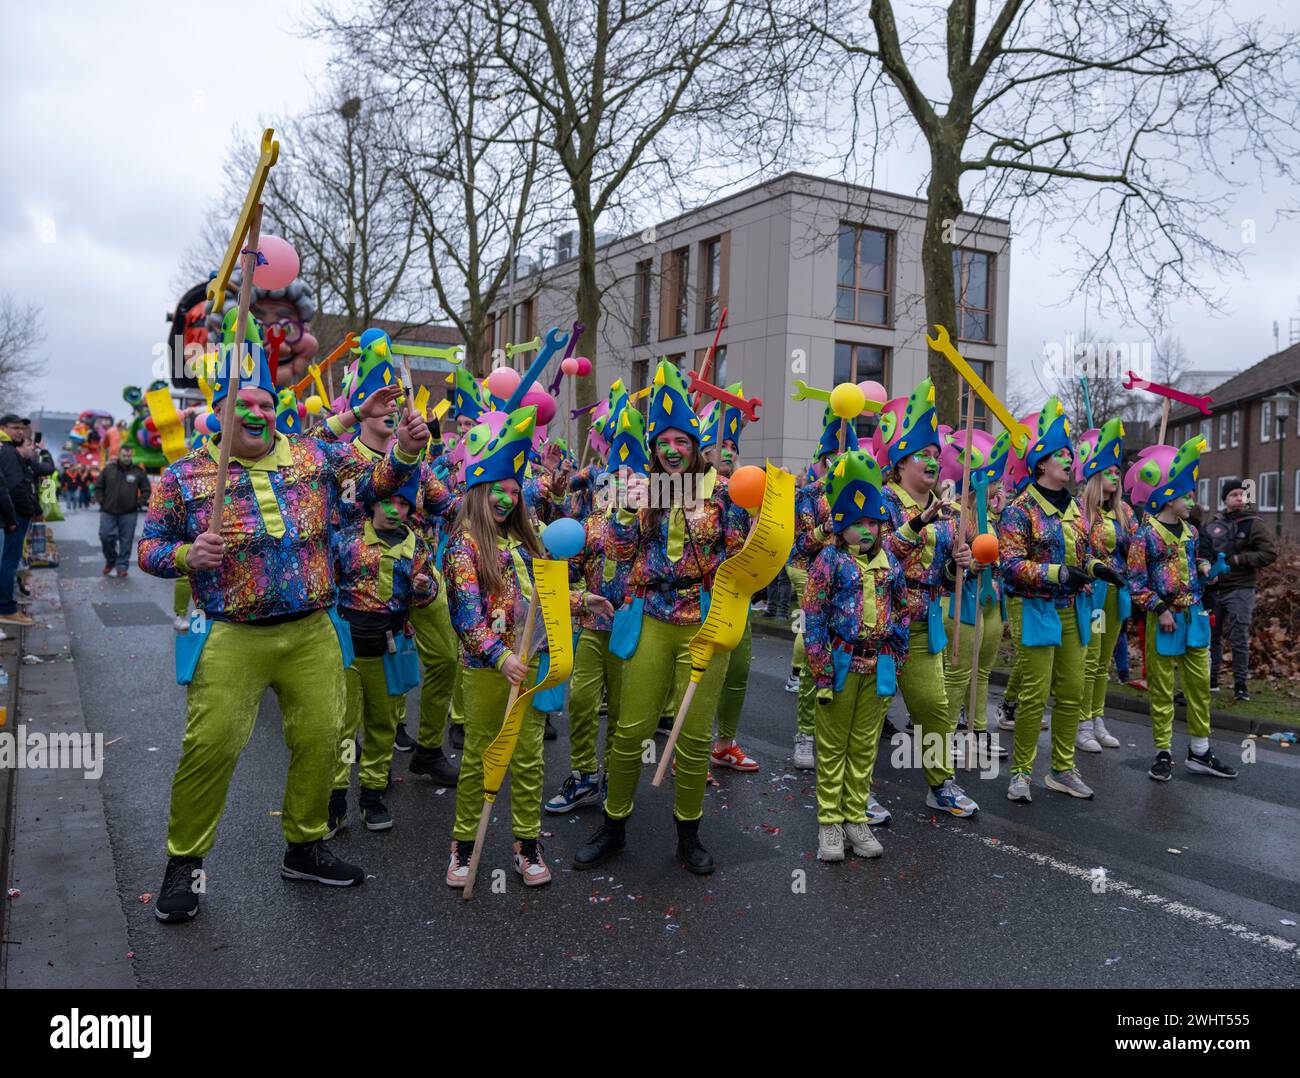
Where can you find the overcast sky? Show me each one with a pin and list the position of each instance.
(116, 120)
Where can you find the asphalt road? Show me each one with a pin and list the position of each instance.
(1007, 899)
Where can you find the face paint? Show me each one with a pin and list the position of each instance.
(1063, 458)
(390, 511)
(672, 456)
(253, 422)
(502, 502)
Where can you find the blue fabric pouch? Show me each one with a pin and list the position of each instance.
(1083, 608)
(402, 667)
(706, 600)
(1040, 624)
(189, 646)
(625, 634)
(1198, 627)
(841, 661)
(886, 675)
(1173, 642)
(969, 599)
(1124, 604)
(551, 699)
(936, 633)
(344, 632)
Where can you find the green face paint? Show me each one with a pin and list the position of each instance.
(502, 502)
(256, 424)
(1064, 458)
(671, 454)
(391, 513)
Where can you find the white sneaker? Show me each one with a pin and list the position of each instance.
(792, 683)
(877, 814)
(804, 758)
(181, 623)
(1068, 782)
(1006, 715)
(1019, 788)
(862, 841)
(1104, 737)
(1084, 740)
(830, 842)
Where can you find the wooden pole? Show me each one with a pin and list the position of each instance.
(671, 743)
(524, 649)
(961, 522)
(1164, 421)
(235, 370)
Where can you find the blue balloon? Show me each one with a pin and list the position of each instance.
(563, 538)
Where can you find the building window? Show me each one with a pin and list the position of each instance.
(683, 269)
(1266, 421)
(674, 275)
(1223, 432)
(710, 283)
(972, 273)
(642, 326)
(1207, 432)
(1236, 427)
(862, 363)
(717, 372)
(679, 361)
(862, 284)
(525, 320)
(1268, 491)
(1203, 493)
(640, 374)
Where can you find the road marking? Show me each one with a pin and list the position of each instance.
(1150, 898)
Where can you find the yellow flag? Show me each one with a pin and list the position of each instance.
(551, 579)
(167, 421)
(750, 570)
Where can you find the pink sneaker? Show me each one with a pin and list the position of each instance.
(529, 863)
(458, 866)
(733, 756)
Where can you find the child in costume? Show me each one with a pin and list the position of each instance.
(1111, 527)
(488, 572)
(596, 669)
(266, 585)
(385, 570)
(1015, 478)
(856, 628)
(1167, 583)
(675, 546)
(922, 534)
(1048, 559)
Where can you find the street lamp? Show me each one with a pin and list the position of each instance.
(1281, 403)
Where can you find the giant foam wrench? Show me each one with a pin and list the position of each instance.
(1020, 434)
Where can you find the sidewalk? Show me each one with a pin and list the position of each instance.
(66, 928)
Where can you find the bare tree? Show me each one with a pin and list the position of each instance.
(1108, 120)
(21, 360)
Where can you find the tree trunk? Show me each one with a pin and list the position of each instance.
(588, 305)
(937, 246)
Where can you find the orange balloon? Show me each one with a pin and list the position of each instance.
(985, 548)
(746, 486)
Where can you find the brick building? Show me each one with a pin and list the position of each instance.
(1255, 416)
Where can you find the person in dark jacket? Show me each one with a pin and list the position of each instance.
(122, 490)
(21, 467)
(1243, 539)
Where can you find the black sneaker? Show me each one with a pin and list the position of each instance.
(374, 813)
(1180, 699)
(1241, 694)
(338, 813)
(1214, 682)
(694, 857)
(177, 900)
(456, 736)
(961, 720)
(433, 764)
(549, 733)
(1163, 769)
(403, 742)
(316, 862)
(608, 839)
(1208, 764)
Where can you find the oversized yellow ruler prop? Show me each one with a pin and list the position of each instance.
(551, 598)
(217, 286)
(753, 568)
(167, 421)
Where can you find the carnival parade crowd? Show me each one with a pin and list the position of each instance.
(368, 556)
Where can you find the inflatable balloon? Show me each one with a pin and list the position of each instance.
(584, 366)
(984, 548)
(847, 400)
(563, 538)
(502, 382)
(280, 267)
(544, 403)
(874, 391)
(569, 366)
(746, 486)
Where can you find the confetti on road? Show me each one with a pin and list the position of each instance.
(1172, 850)
(146, 898)
(14, 892)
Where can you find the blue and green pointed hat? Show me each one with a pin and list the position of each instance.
(506, 455)
(1102, 449)
(853, 488)
(997, 459)
(467, 398)
(627, 446)
(287, 420)
(915, 427)
(1053, 433)
(669, 406)
(830, 439)
(255, 370)
(711, 425)
(410, 490)
(733, 419)
(1178, 478)
(374, 369)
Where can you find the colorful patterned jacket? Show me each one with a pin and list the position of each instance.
(488, 625)
(1036, 540)
(926, 558)
(1109, 541)
(1163, 572)
(839, 608)
(376, 577)
(684, 550)
(811, 512)
(595, 570)
(275, 525)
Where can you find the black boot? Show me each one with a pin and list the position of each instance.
(608, 839)
(178, 898)
(694, 857)
(434, 764)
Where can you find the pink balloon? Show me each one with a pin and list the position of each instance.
(281, 264)
(545, 404)
(569, 366)
(874, 391)
(503, 381)
(584, 366)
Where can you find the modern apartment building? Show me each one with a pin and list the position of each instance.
(821, 281)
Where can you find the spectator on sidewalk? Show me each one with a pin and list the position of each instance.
(122, 490)
(21, 468)
(1244, 540)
